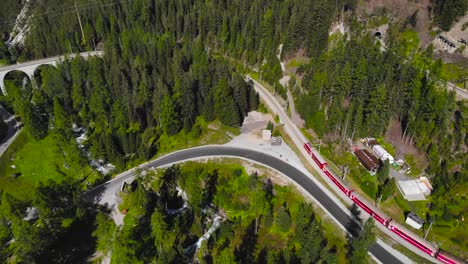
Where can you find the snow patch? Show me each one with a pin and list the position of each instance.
(216, 223)
(280, 50)
(21, 27)
(338, 27)
(217, 220)
(182, 194)
(103, 168)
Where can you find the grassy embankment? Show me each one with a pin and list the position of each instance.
(39, 161)
(28, 162)
(203, 133)
(454, 73)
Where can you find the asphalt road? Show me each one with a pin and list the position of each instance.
(461, 93)
(219, 151)
(13, 129)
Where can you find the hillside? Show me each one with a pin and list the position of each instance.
(170, 68)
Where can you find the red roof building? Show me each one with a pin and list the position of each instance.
(370, 162)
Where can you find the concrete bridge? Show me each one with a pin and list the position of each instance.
(30, 67)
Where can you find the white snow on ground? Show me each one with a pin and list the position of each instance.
(280, 50)
(217, 220)
(81, 139)
(338, 27)
(216, 223)
(99, 165)
(182, 194)
(21, 26)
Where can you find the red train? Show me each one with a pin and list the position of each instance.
(421, 244)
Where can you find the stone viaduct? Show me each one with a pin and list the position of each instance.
(30, 67)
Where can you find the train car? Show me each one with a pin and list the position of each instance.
(423, 245)
(319, 159)
(337, 182)
(369, 210)
(308, 147)
(448, 258)
(412, 239)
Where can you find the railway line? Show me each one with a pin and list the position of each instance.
(420, 245)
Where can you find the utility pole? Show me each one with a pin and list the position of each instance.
(380, 199)
(69, 45)
(345, 172)
(429, 229)
(83, 41)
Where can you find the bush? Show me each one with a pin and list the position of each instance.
(270, 126)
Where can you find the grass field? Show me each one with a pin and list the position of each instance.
(450, 237)
(454, 73)
(203, 133)
(27, 162)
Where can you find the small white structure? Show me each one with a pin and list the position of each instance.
(382, 154)
(276, 141)
(415, 190)
(266, 134)
(414, 220)
(425, 185)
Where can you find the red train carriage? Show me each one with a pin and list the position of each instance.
(319, 159)
(397, 229)
(441, 255)
(308, 147)
(448, 258)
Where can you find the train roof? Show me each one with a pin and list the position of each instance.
(318, 156)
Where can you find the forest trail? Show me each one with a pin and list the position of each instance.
(295, 117)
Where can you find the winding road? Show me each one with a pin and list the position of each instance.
(112, 187)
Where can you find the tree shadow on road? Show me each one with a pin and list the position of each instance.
(355, 223)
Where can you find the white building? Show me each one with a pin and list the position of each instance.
(382, 154)
(415, 190)
(266, 134)
(414, 220)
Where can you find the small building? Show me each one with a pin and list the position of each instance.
(266, 134)
(382, 154)
(425, 185)
(276, 141)
(414, 220)
(369, 161)
(370, 142)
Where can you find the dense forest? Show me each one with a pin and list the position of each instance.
(447, 12)
(355, 89)
(249, 30)
(165, 66)
(211, 213)
(258, 221)
(159, 72)
(127, 107)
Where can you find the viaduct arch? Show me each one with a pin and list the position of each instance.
(30, 67)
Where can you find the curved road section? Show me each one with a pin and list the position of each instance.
(113, 187)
